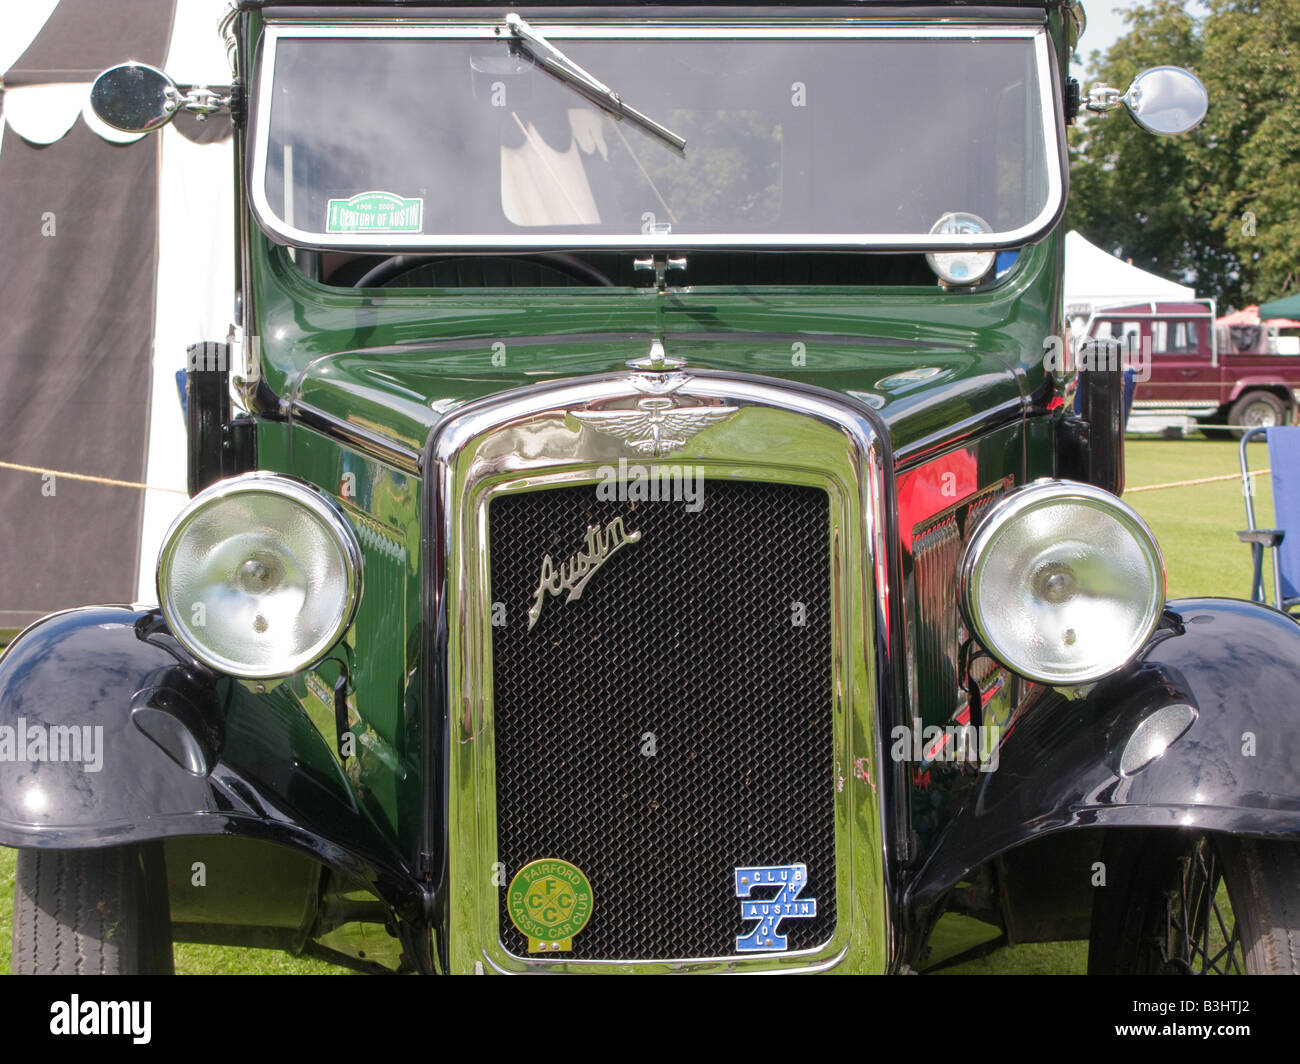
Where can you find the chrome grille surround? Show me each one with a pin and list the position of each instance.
(527, 440)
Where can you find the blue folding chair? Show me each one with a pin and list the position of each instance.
(1284, 462)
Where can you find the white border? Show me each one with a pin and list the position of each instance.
(431, 29)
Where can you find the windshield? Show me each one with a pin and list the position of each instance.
(455, 135)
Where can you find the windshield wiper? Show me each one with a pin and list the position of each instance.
(557, 63)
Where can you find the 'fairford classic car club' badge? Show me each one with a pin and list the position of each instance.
(550, 901)
(785, 904)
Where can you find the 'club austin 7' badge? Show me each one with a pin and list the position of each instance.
(785, 904)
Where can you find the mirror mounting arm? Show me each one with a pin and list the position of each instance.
(200, 100)
(1102, 98)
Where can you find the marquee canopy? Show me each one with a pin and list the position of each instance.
(1286, 307)
(118, 254)
(1094, 278)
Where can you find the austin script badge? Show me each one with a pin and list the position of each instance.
(572, 576)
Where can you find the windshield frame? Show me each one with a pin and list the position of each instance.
(568, 28)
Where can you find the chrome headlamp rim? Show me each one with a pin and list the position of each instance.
(331, 516)
(1044, 492)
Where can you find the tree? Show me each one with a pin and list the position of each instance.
(1179, 206)
(1249, 155)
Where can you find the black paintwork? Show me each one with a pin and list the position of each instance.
(207, 408)
(275, 777)
(1101, 395)
(1236, 662)
(219, 445)
(180, 710)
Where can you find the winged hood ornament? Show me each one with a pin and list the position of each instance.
(659, 424)
(656, 426)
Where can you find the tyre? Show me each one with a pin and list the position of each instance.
(1256, 410)
(1183, 903)
(92, 912)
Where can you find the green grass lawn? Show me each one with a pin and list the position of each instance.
(6, 905)
(1196, 528)
(1197, 525)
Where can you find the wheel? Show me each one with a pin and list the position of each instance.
(1185, 903)
(1254, 410)
(92, 912)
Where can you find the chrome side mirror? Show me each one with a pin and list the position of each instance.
(134, 97)
(1165, 100)
(137, 98)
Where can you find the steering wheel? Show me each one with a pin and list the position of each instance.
(569, 265)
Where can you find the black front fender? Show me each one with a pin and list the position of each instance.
(1235, 769)
(69, 686)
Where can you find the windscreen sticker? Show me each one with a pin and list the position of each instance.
(375, 212)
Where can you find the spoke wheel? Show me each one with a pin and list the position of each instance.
(1200, 934)
(1180, 903)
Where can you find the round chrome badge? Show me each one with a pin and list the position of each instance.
(550, 901)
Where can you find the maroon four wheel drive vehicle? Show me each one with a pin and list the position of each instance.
(1191, 374)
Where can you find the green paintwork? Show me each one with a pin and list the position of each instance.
(383, 505)
(225, 879)
(394, 361)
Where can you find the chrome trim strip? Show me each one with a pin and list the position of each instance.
(995, 417)
(525, 440)
(385, 448)
(802, 29)
(1204, 406)
(1053, 149)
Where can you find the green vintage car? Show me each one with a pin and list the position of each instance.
(639, 522)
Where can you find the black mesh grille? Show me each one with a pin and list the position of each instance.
(689, 634)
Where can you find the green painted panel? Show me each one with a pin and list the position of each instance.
(396, 363)
(383, 644)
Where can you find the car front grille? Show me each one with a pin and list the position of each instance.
(674, 722)
(937, 546)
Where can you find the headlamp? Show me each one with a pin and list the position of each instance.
(1062, 582)
(259, 576)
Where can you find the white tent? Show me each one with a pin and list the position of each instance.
(128, 248)
(1094, 278)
